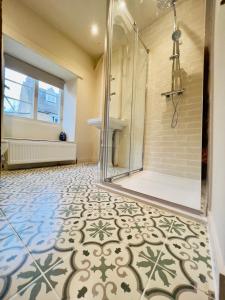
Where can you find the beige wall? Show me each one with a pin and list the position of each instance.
(100, 97)
(29, 129)
(26, 27)
(175, 151)
(217, 213)
(69, 109)
(100, 86)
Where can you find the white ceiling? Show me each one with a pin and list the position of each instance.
(144, 12)
(75, 17)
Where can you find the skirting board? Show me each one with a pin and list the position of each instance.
(218, 262)
(38, 165)
(222, 287)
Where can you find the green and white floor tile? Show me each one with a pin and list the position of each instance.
(61, 237)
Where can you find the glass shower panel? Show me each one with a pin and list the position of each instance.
(121, 93)
(138, 108)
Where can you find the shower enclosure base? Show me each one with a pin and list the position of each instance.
(177, 190)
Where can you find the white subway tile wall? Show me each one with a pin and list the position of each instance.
(167, 150)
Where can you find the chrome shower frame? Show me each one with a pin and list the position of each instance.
(107, 67)
(105, 123)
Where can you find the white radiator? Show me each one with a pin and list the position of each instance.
(30, 151)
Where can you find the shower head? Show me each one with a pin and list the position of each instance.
(176, 35)
(164, 4)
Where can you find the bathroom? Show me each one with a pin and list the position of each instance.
(112, 150)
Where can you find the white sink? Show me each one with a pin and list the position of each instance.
(114, 123)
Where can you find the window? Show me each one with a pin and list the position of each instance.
(19, 94)
(29, 92)
(48, 108)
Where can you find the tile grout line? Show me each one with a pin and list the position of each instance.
(61, 260)
(24, 288)
(40, 270)
(195, 287)
(42, 274)
(150, 276)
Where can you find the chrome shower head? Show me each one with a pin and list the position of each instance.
(176, 35)
(164, 4)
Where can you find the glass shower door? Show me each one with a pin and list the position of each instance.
(121, 94)
(138, 107)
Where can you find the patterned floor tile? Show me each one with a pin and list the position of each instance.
(195, 260)
(14, 260)
(173, 226)
(184, 295)
(135, 230)
(175, 272)
(56, 239)
(100, 231)
(48, 259)
(95, 210)
(39, 289)
(95, 272)
(68, 211)
(131, 208)
(76, 241)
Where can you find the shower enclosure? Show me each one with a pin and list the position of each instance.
(126, 87)
(152, 140)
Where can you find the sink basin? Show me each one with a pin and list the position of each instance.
(114, 123)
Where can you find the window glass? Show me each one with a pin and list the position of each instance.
(49, 101)
(19, 97)
(18, 94)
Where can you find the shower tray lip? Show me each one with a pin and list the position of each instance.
(183, 210)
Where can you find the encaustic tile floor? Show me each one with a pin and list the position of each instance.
(61, 237)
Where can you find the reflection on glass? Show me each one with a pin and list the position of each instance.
(49, 100)
(138, 108)
(127, 88)
(121, 93)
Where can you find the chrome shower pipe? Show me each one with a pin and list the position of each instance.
(175, 15)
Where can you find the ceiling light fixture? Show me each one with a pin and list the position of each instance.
(94, 29)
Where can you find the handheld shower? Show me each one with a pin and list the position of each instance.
(176, 86)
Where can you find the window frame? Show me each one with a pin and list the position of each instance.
(35, 100)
